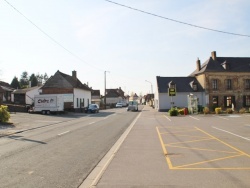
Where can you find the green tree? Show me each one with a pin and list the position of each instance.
(15, 83)
(39, 78)
(24, 80)
(33, 80)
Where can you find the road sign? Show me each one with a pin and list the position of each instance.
(171, 91)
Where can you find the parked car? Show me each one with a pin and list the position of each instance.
(133, 106)
(118, 105)
(92, 108)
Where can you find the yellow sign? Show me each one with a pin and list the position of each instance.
(171, 91)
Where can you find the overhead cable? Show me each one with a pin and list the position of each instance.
(177, 21)
(51, 38)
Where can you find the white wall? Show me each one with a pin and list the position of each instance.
(29, 97)
(81, 94)
(180, 100)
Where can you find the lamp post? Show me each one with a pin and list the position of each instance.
(105, 89)
(151, 85)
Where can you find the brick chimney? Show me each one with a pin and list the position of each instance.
(198, 65)
(213, 55)
(74, 75)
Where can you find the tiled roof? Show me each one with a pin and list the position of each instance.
(112, 93)
(182, 84)
(95, 92)
(61, 80)
(236, 64)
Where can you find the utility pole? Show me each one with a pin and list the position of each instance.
(105, 89)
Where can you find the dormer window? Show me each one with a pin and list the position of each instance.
(194, 85)
(225, 65)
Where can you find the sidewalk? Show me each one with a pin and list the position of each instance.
(140, 161)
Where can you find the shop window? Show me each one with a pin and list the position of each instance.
(215, 101)
(228, 101)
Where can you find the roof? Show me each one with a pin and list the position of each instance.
(183, 84)
(112, 93)
(236, 64)
(61, 80)
(25, 90)
(95, 92)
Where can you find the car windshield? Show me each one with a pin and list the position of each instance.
(132, 103)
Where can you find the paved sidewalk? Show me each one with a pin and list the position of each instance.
(140, 161)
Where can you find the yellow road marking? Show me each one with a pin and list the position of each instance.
(190, 141)
(169, 145)
(223, 142)
(186, 135)
(187, 130)
(202, 162)
(164, 150)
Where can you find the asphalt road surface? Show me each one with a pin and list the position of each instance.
(62, 152)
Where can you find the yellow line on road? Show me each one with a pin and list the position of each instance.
(202, 162)
(167, 118)
(200, 149)
(242, 152)
(189, 141)
(164, 150)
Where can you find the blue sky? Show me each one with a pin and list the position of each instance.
(131, 45)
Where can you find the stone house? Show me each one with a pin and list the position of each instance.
(114, 96)
(226, 81)
(77, 95)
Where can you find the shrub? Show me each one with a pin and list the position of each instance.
(173, 112)
(181, 111)
(206, 110)
(217, 110)
(242, 110)
(4, 114)
(229, 111)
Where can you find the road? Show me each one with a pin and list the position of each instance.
(61, 151)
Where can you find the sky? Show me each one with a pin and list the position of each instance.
(133, 48)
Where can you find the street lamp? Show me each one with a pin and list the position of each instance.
(151, 85)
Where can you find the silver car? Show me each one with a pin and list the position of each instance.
(133, 106)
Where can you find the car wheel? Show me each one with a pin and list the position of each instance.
(43, 112)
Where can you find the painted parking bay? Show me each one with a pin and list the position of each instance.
(192, 148)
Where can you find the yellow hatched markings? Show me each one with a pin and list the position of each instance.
(237, 152)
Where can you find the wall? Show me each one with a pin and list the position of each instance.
(180, 100)
(81, 94)
(29, 97)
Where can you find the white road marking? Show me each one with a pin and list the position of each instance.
(91, 123)
(167, 118)
(63, 133)
(222, 118)
(194, 118)
(232, 133)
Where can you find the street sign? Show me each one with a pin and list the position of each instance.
(171, 91)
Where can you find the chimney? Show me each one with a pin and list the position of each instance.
(74, 75)
(198, 65)
(213, 54)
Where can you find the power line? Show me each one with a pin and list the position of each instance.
(177, 21)
(51, 38)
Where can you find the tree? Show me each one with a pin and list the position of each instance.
(39, 78)
(33, 80)
(15, 83)
(45, 77)
(24, 81)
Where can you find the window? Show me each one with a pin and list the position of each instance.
(77, 105)
(228, 101)
(246, 100)
(215, 101)
(214, 84)
(247, 84)
(195, 87)
(229, 84)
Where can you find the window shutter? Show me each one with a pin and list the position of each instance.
(233, 101)
(244, 100)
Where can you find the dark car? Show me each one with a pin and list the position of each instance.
(92, 108)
